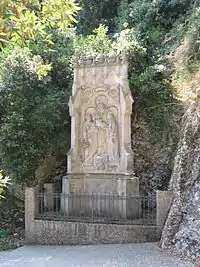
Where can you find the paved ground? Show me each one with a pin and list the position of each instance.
(133, 255)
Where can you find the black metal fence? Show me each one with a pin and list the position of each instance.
(97, 208)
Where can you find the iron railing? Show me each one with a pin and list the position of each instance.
(96, 208)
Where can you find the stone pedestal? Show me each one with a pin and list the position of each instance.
(111, 195)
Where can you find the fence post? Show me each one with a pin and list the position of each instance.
(163, 201)
(66, 198)
(30, 207)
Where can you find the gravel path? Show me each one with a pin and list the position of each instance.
(132, 255)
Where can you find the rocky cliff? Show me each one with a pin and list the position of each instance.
(181, 230)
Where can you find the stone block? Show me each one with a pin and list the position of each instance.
(164, 200)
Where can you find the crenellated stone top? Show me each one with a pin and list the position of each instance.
(100, 60)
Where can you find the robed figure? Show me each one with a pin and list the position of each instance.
(89, 138)
(113, 138)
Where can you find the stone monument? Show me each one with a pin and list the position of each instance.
(101, 158)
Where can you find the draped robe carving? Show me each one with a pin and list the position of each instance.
(101, 137)
(113, 138)
(89, 138)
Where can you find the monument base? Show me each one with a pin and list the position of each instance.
(106, 195)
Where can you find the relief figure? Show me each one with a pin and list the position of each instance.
(113, 138)
(101, 136)
(102, 143)
(102, 125)
(89, 138)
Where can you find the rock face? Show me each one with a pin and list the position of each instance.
(187, 239)
(153, 163)
(181, 230)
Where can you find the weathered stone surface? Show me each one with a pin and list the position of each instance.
(100, 109)
(187, 239)
(181, 228)
(73, 233)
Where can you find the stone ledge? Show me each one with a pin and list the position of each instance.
(77, 233)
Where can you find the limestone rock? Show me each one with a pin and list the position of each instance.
(187, 239)
(181, 229)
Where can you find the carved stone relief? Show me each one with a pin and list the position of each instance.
(101, 105)
(100, 76)
(101, 135)
(129, 102)
(112, 78)
(89, 79)
(114, 93)
(89, 137)
(88, 94)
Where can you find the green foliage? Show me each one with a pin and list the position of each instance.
(96, 12)
(151, 19)
(35, 83)
(155, 102)
(27, 28)
(58, 14)
(99, 43)
(193, 36)
(34, 119)
(188, 59)
(4, 181)
(25, 21)
(159, 27)
(3, 24)
(93, 44)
